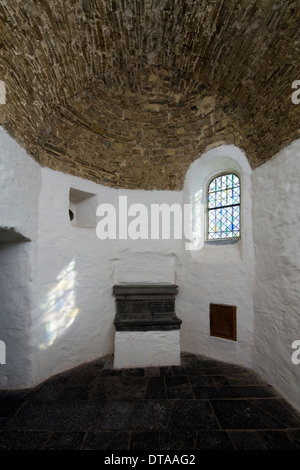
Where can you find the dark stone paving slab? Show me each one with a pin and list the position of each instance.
(276, 440)
(243, 379)
(239, 391)
(23, 440)
(59, 415)
(278, 408)
(178, 387)
(120, 388)
(173, 381)
(294, 436)
(208, 381)
(156, 388)
(203, 404)
(241, 414)
(214, 440)
(75, 393)
(136, 372)
(3, 422)
(49, 390)
(174, 440)
(144, 441)
(105, 440)
(12, 401)
(141, 415)
(64, 441)
(193, 414)
(109, 372)
(82, 378)
(180, 391)
(247, 440)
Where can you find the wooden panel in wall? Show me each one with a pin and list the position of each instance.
(223, 321)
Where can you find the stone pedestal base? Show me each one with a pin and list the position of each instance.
(146, 348)
(147, 327)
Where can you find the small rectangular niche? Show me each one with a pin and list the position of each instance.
(223, 321)
(82, 208)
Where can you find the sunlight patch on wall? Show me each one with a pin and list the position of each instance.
(60, 307)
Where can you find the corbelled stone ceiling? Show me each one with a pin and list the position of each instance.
(128, 93)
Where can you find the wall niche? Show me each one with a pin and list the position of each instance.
(82, 208)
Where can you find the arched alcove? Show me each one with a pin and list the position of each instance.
(223, 158)
(217, 273)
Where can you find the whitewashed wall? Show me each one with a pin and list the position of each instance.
(19, 189)
(217, 274)
(72, 303)
(74, 307)
(15, 314)
(19, 186)
(56, 279)
(276, 202)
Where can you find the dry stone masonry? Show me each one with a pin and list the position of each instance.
(129, 93)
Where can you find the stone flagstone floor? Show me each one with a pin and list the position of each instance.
(203, 404)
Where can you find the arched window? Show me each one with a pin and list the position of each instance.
(223, 207)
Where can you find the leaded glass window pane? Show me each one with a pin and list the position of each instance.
(224, 207)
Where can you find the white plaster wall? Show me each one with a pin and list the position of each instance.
(73, 303)
(147, 348)
(19, 186)
(74, 307)
(146, 267)
(217, 274)
(15, 318)
(276, 198)
(149, 261)
(57, 307)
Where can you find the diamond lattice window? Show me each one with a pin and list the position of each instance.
(224, 207)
